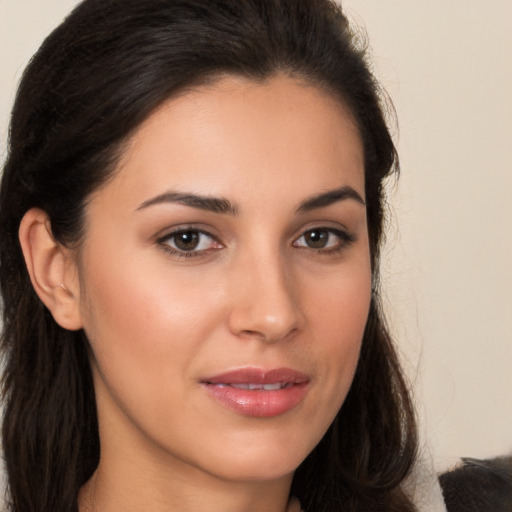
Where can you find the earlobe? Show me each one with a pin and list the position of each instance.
(51, 269)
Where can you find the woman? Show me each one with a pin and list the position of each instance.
(191, 213)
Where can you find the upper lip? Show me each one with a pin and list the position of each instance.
(249, 375)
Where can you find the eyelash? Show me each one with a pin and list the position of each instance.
(345, 239)
(163, 242)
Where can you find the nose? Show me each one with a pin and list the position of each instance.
(265, 302)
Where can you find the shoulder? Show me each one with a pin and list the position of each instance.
(478, 485)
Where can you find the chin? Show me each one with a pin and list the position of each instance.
(260, 461)
(258, 471)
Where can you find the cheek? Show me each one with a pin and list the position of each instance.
(144, 324)
(339, 304)
(141, 296)
(338, 315)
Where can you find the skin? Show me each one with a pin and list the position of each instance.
(256, 293)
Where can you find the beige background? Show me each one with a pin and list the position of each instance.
(447, 66)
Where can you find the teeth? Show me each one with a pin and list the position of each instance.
(265, 387)
(242, 386)
(272, 387)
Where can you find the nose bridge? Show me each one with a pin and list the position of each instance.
(265, 302)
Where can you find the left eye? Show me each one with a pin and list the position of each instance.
(189, 240)
(322, 238)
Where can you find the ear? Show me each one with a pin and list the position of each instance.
(51, 268)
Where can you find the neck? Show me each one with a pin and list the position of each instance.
(132, 491)
(136, 473)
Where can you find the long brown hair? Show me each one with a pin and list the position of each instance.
(93, 81)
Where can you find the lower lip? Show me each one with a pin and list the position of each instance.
(258, 403)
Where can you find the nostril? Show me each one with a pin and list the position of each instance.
(269, 335)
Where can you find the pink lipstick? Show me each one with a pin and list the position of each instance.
(258, 392)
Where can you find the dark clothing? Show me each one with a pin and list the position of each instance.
(479, 486)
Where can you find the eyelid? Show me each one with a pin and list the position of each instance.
(161, 241)
(344, 235)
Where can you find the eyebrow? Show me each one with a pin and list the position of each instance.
(330, 197)
(222, 205)
(212, 204)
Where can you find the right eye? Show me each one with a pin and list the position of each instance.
(188, 242)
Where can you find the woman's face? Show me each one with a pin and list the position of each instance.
(225, 280)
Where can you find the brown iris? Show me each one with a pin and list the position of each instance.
(316, 238)
(186, 240)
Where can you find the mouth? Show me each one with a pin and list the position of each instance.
(257, 392)
(260, 387)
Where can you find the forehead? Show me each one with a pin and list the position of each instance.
(237, 135)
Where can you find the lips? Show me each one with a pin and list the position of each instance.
(264, 387)
(257, 392)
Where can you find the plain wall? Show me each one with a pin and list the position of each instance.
(446, 64)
